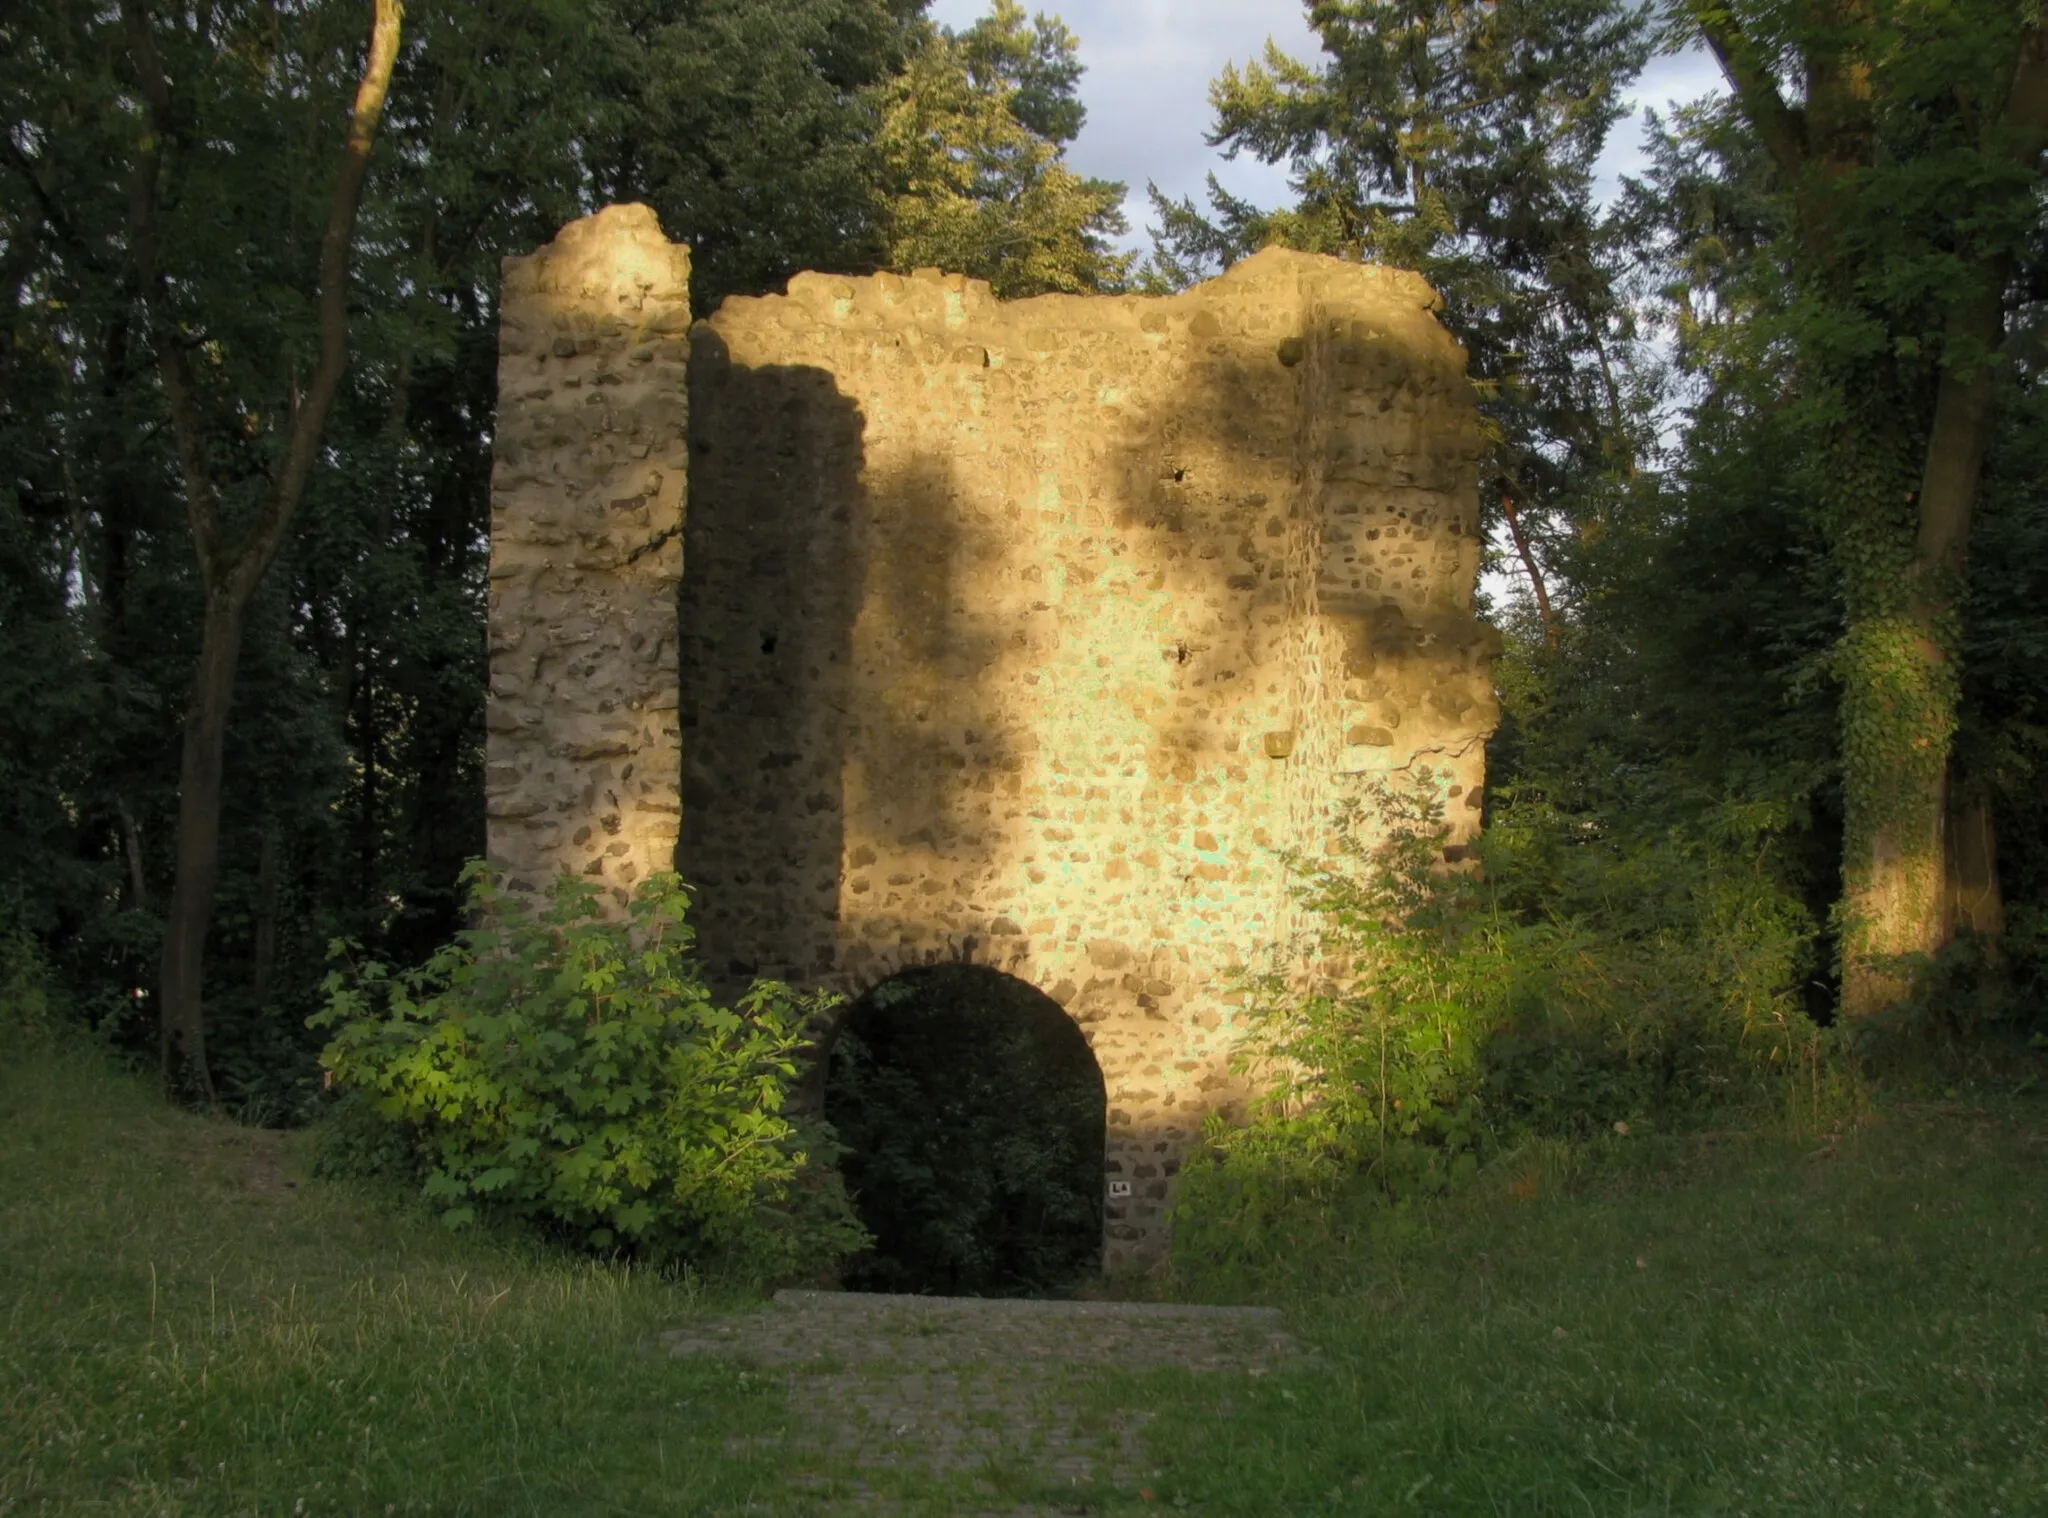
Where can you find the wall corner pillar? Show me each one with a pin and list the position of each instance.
(584, 753)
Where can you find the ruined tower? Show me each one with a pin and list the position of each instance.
(1029, 634)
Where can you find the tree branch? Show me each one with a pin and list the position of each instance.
(1535, 570)
(310, 420)
(1782, 128)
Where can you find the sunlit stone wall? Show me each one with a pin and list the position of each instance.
(586, 509)
(1029, 634)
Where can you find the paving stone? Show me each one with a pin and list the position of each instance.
(955, 1386)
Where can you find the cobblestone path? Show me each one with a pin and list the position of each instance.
(980, 1393)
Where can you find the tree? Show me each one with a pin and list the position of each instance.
(247, 430)
(974, 136)
(1906, 140)
(750, 127)
(353, 754)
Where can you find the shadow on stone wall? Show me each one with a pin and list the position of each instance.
(771, 584)
(933, 740)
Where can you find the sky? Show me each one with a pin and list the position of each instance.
(1147, 91)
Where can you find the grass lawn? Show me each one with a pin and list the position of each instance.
(188, 1326)
(1743, 1325)
(1755, 1325)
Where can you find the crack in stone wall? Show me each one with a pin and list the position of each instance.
(1021, 633)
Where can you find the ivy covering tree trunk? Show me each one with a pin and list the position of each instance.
(1912, 160)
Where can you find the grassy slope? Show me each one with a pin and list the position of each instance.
(1764, 1328)
(182, 1331)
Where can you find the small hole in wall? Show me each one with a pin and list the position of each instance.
(767, 643)
(1179, 474)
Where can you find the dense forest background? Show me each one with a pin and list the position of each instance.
(1750, 664)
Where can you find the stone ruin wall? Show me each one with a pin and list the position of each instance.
(1026, 634)
(587, 489)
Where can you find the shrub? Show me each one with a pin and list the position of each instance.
(1580, 979)
(569, 1069)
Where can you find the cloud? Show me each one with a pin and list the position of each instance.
(1678, 79)
(1147, 88)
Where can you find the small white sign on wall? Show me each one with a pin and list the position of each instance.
(1119, 1189)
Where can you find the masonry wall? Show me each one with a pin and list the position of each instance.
(587, 496)
(1029, 634)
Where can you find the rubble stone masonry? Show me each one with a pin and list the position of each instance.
(1028, 634)
(587, 487)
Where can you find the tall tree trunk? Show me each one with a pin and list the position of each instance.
(266, 915)
(1976, 902)
(231, 572)
(1527, 553)
(131, 850)
(1898, 715)
(183, 1028)
(368, 827)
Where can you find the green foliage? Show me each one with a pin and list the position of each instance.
(2002, 744)
(354, 769)
(568, 1068)
(974, 135)
(971, 1111)
(1904, 142)
(750, 126)
(1583, 981)
(24, 978)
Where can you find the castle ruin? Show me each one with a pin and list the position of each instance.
(916, 626)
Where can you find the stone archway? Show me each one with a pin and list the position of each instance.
(1028, 635)
(974, 1116)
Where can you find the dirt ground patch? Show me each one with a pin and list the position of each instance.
(990, 1392)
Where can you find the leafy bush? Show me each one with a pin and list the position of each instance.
(1578, 981)
(570, 1069)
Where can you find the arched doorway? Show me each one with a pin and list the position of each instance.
(973, 1114)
